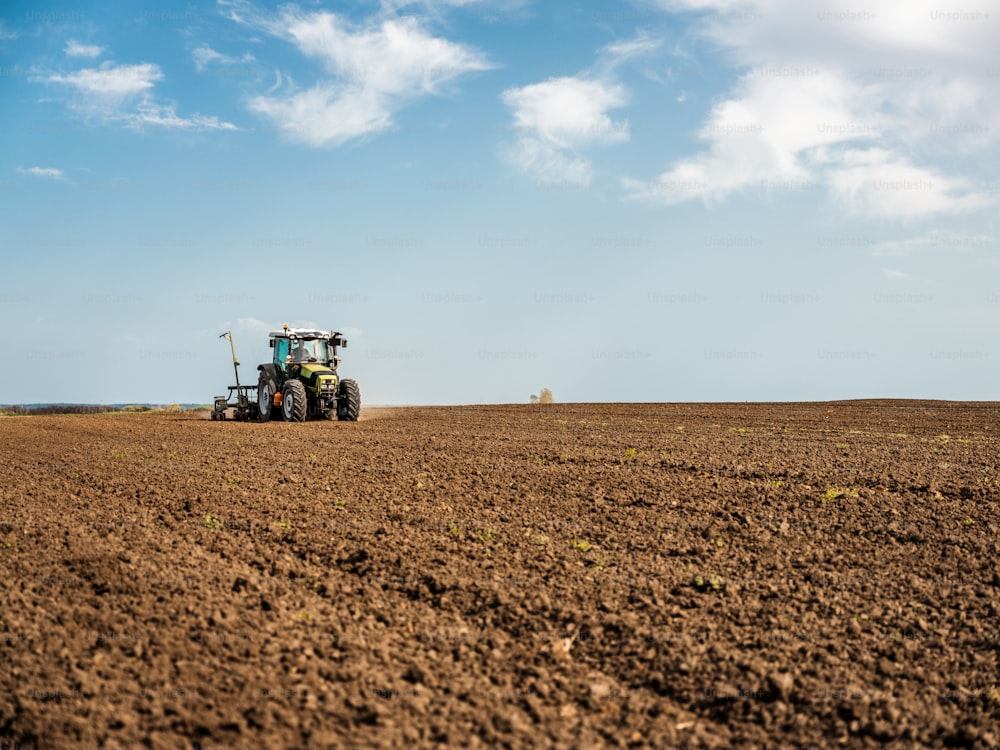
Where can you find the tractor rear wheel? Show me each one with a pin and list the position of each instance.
(348, 401)
(293, 401)
(265, 397)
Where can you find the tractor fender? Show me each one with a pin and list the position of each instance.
(271, 370)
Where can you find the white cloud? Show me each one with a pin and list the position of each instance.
(754, 141)
(204, 56)
(122, 94)
(325, 115)
(372, 71)
(845, 99)
(256, 327)
(557, 118)
(49, 173)
(5, 33)
(112, 83)
(568, 112)
(76, 49)
(880, 183)
(561, 117)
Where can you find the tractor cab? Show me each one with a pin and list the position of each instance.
(297, 346)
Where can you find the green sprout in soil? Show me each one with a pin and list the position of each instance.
(631, 453)
(968, 522)
(454, 529)
(832, 493)
(598, 560)
(581, 544)
(211, 522)
(282, 524)
(713, 583)
(118, 454)
(536, 537)
(485, 537)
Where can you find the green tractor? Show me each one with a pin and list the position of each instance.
(301, 381)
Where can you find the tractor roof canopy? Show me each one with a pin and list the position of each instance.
(302, 333)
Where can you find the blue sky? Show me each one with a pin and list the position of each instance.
(648, 200)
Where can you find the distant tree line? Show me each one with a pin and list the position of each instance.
(57, 409)
(14, 411)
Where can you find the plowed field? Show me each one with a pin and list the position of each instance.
(641, 575)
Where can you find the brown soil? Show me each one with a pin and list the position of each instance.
(569, 575)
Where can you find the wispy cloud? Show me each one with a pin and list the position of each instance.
(850, 101)
(204, 57)
(111, 83)
(46, 173)
(5, 33)
(618, 53)
(123, 94)
(371, 71)
(74, 48)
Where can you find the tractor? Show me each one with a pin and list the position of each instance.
(301, 381)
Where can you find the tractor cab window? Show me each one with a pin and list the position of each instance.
(322, 350)
(280, 351)
(308, 350)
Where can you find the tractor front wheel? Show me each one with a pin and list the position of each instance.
(348, 401)
(293, 401)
